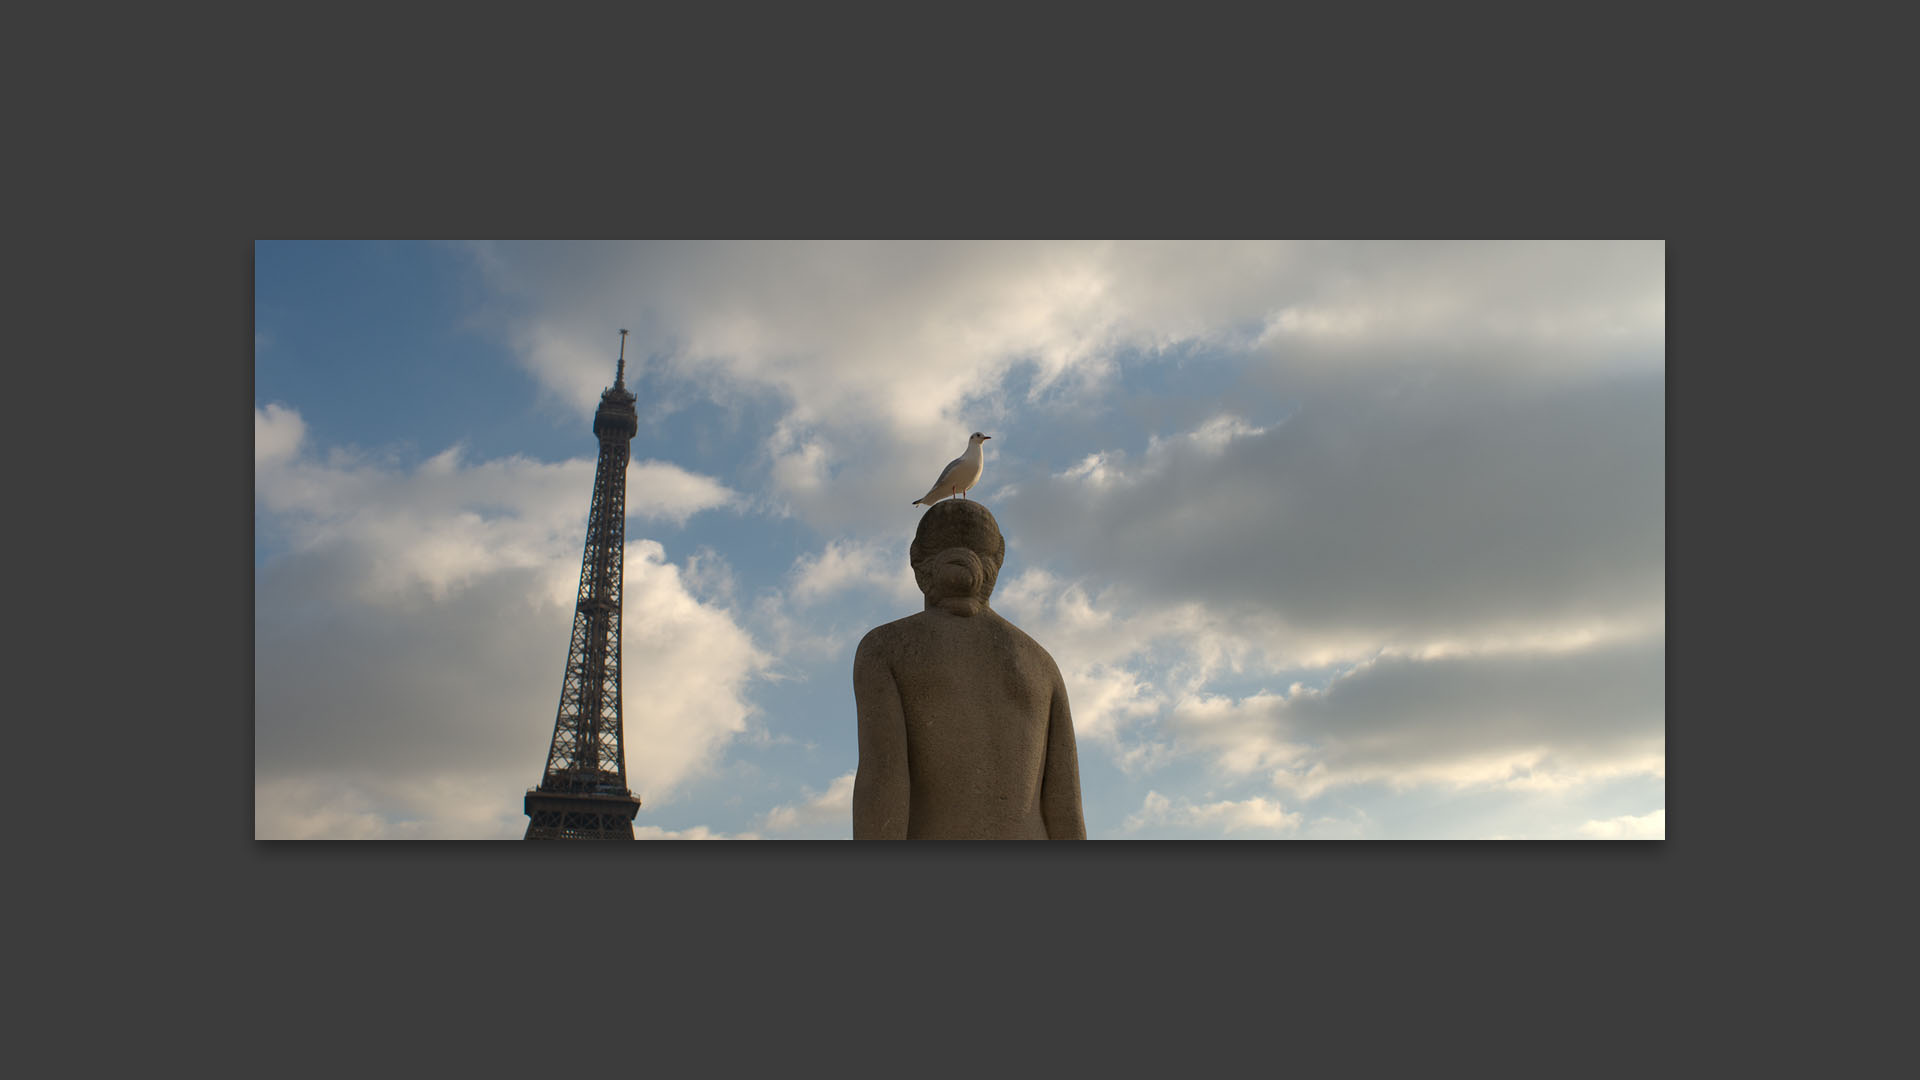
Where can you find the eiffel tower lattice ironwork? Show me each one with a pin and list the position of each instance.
(583, 794)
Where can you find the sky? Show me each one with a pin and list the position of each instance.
(1329, 540)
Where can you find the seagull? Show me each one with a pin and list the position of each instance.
(960, 474)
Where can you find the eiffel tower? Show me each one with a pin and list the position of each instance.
(584, 795)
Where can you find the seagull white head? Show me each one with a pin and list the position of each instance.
(976, 439)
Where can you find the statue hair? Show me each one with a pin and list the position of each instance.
(959, 523)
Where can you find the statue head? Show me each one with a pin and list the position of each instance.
(956, 554)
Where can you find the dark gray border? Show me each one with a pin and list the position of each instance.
(314, 948)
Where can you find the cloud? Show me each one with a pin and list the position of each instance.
(1106, 470)
(854, 564)
(885, 355)
(659, 489)
(1524, 304)
(1473, 507)
(1228, 817)
(1542, 713)
(1124, 660)
(686, 669)
(696, 832)
(1091, 647)
(1375, 518)
(799, 638)
(709, 576)
(1544, 722)
(808, 620)
(1098, 470)
(278, 432)
(446, 521)
(832, 806)
(1649, 826)
(350, 805)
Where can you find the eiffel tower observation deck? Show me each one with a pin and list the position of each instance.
(583, 794)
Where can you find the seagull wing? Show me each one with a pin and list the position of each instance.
(946, 473)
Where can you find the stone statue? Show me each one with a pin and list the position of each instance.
(964, 726)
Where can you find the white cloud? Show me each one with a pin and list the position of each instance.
(1104, 470)
(696, 832)
(659, 489)
(847, 563)
(1470, 509)
(799, 638)
(278, 432)
(1534, 304)
(834, 805)
(427, 805)
(709, 576)
(1210, 438)
(1519, 722)
(802, 461)
(1225, 817)
(447, 521)
(889, 353)
(1542, 712)
(1099, 469)
(1650, 826)
(1090, 646)
(1104, 697)
(685, 674)
(1241, 736)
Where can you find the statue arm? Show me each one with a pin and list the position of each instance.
(881, 791)
(1060, 784)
